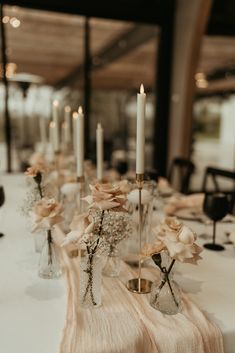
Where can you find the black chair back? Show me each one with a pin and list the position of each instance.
(185, 168)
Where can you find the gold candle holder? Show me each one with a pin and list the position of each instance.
(140, 285)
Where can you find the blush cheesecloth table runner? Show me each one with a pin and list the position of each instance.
(126, 323)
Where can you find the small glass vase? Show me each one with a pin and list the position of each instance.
(49, 265)
(165, 295)
(39, 240)
(90, 281)
(112, 265)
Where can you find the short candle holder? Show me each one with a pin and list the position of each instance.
(140, 285)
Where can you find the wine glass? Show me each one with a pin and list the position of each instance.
(215, 206)
(2, 200)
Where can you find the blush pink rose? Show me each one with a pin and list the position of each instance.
(47, 213)
(106, 197)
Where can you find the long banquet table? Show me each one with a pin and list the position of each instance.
(32, 310)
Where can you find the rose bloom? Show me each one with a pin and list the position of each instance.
(124, 186)
(152, 248)
(37, 158)
(81, 228)
(36, 169)
(106, 197)
(48, 213)
(177, 239)
(32, 171)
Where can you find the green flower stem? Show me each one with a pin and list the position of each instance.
(38, 180)
(89, 269)
(172, 292)
(49, 239)
(40, 190)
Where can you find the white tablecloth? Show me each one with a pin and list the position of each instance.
(32, 310)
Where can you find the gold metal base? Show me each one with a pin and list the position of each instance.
(140, 180)
(140, 286)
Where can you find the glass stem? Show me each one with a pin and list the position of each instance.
(214, 231)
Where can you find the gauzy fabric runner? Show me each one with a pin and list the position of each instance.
(126, 323)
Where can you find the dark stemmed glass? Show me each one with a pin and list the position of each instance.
(215, 206)
(2, 200)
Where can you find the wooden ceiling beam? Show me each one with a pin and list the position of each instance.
(113, 51)
(151, 11)
(222, 73)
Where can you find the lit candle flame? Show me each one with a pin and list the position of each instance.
(80, 110)
(141, 88)
(99, 126)
(75, 115)
(56, 103)
(67, 109)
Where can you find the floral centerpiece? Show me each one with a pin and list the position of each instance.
(174, 242)
(95, 231)
(47, 214)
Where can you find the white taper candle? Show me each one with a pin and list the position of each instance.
(43, 132)
(75, 116)
(52, 135)
(99, 151)
(55, 116)
(67, 118)
(80, 143)
(140, 131)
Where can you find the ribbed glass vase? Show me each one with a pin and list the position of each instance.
(90, 280)
(113, 263)
(49, 263)
(166, 295)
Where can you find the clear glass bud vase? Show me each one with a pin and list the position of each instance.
(113, 263)
(90, 280)
(49, 264)
(165, 295)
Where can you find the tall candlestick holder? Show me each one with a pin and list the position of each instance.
(81, 191)
(140, 285)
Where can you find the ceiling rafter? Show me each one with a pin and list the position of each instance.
(114, 50)
(152, 11)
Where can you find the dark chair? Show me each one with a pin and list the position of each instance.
(185, 168)
(216, 173)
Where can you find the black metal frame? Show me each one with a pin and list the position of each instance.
(7, 120)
